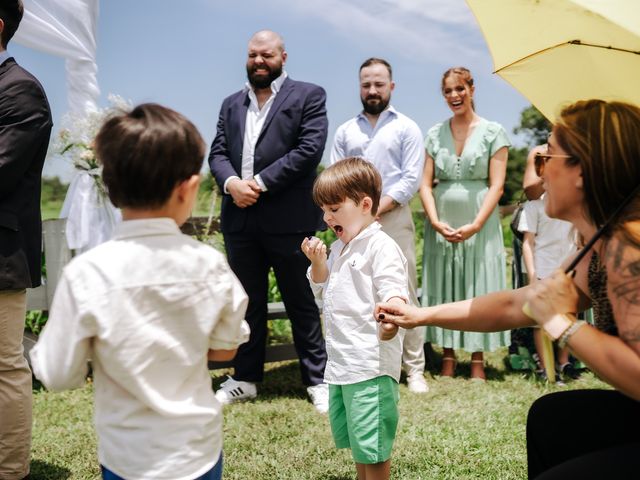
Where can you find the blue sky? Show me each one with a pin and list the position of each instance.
(190, 54)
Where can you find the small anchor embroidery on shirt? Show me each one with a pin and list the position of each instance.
(353, 264)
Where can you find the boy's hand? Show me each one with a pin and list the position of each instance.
(387, 331)
(314, 249)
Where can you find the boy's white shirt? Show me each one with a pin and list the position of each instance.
(553, 238)
(370, 269)
(146, 307)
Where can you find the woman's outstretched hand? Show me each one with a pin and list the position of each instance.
(402, 315)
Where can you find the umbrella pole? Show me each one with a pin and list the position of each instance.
(548, 357)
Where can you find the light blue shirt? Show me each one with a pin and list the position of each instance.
(394, 146)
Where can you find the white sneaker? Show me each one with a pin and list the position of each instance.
(319, 395)
(233, 391)
(417, 383)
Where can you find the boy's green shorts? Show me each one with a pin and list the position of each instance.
(364, 417)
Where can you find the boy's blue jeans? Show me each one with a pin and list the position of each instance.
(214, 474)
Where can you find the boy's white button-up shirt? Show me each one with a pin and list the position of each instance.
(369, 269)
(553, 237)
(146, 307)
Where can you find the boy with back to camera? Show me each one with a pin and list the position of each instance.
(364, 266)
(149, 308)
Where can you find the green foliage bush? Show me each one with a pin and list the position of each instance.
(35, 321)
(534, 126)
(513, 180)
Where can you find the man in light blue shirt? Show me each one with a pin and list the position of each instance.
(393, 143)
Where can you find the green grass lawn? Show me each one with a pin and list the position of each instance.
(459, 430)
(50, 209)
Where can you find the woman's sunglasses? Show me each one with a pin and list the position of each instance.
(540, 159)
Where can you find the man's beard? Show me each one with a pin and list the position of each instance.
(263, 81)
(374, 108)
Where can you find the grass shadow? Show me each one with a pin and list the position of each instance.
(281, 379)
(36, 386)
(463, 368)
(48, 471)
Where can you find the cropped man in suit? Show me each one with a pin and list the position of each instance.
(269, 141)
(25, 128)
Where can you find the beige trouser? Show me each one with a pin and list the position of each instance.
(15, 388)
(398, 224)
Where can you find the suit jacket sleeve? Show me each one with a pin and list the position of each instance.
(219, 157)
(307, 154)
(24, 124)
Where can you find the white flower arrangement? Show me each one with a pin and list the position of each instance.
(75, 140)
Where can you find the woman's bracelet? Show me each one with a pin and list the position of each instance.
(564, 338)
(558, 325)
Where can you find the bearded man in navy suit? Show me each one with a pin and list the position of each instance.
(25, 128)
(269, 141)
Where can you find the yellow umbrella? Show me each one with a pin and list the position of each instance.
(556, 52)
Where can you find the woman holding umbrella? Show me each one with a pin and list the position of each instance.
(590, 170)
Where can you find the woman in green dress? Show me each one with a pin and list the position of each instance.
(463, 180)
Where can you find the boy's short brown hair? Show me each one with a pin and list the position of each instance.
(146, 153)
(352, 178)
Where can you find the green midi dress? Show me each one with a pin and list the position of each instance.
(458, 271)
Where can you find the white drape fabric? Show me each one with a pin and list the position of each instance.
(91, 218)
(66, 28)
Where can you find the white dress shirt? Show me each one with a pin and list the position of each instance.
(369, 269)
(252, 128)
(146, 307)
(394, 146)
(4, 56)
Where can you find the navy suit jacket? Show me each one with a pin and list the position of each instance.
(25, 128)
(287, 153)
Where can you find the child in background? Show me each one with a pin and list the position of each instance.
(149, 308)
(365, 266)
(547, 242)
